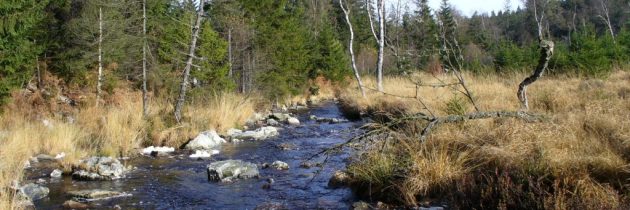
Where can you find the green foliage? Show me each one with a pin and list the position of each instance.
(19, 21)
(509, 56)
(284, 38)
(330, 60)
(592, 55)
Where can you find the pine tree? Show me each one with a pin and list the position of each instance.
(425, 32)
(20, 23)
(330, 59)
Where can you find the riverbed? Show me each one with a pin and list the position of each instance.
(178, 182)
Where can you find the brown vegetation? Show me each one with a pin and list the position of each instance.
(577, 158)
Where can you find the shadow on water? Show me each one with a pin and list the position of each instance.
(177, 182)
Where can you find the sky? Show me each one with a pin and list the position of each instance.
(468, 7)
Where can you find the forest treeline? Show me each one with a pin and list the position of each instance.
(276, 47)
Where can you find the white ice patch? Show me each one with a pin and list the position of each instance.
(151, 149)
(203, 154)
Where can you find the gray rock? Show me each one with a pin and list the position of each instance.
(258, 134)
(34, 191)
(56, 173)
(233, 131)
(205, 140)
(279, 165)
(282, 117)
(293, 121)
(44, 157)
(339, 179)
(230, 170)
(70, 204)
(89, 195)
(99, 168)
(272, 122)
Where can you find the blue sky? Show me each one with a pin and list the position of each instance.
(467, 7)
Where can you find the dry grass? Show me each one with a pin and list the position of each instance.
(117, 129)
(579, 158)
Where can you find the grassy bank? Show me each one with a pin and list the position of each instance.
(34, 125)
(575, 159)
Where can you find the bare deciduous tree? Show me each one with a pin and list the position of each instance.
(606, 18)
(546, 51)
(354, 65)
(189, 63)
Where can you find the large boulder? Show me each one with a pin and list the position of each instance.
(98, 169)
(205, 141)
(34, 191)
(230, 170)
(258, 134)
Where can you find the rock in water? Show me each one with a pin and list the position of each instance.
(272, 122)
(99, 168)
(339, 179)
(205, 141)
(279, 165)
(361, 206)
(258, 134)
(34, 191)
(233, 131)
(293, 121)
(282, 117)
(88, 195)
(70, 204)
(56, 173)
(230, 170)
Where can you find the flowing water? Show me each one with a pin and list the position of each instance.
(178, 182)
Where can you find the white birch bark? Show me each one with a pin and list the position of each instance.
(381, 43)
(145, 105)
(99, 79)
(354, 64)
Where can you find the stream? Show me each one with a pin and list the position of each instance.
(178, 182)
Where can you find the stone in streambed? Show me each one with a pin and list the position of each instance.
(258, 134)
(279, 165)
(230, 170)
(157, 151)
(56, 173)
(293, 121)
(205, 141)
(82, 195)
(339, 179)
(34, 191)
(99, 169)
(70, 204)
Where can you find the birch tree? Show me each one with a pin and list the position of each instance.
(381, 43)
(354, 65)
(189, 63)
(145, 108)
(99, 79)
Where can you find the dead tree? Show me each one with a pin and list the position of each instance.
(145, 105)
(99, 79)
(546, 52)
(189, 63)
(606, 18)
(354, 64)
(381, 43)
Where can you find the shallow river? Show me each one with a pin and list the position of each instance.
(178, 182)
